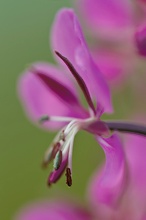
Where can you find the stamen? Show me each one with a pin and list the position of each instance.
(43, 118)
(79, 80)
(50, 154)
(56, 148)
(62, 136)
(48, 157)
(55, 118)
(58, 160)
(68, 177)
(70, 154)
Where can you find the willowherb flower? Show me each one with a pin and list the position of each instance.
(130, 207)
(49, 95)
(55, 210)
(118, 31)
(140, 39)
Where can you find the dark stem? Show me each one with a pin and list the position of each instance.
(126, 127)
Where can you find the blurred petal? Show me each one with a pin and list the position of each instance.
(53, 211)
(108, 187)
(44, 96)
(140, 40)
(142, 3)
(69, 41)
(109, 19)
(135, 148)
(115, 66)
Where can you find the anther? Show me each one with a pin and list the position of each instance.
(50, 154)
(68, 177)
(44, 164)
(57, 160)
(44, 118)
(49, 182)
(62, 136)
(56, 148)
(48, 157)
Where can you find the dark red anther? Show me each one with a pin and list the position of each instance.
(68, 177)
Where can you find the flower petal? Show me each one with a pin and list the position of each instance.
(135, 148)
(59, 210)
(142, 3)
(51, 93)
(140, 40)
(109, 19)
(108, 187)
(98, 128)
(114, 65)
(69, 41)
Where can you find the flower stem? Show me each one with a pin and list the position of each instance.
(126, 127)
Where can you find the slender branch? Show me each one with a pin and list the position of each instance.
(127, 127)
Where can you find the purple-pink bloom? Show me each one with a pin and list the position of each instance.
(113, 64)
(108, 19)
(140, 39)
(49, 95)
(142, 3)
(132, 205)
(57, 210)
(117, 28)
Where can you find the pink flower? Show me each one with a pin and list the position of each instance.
(49, 94)
(140, 39)
(59, 210)
(132, 206)
(119, 32)
(108, 18)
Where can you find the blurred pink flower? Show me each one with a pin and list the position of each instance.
(49, 94)
(132, 206)
(108, 18)
(142, 4)
(116, 27)
(140, 39)
(113, 65)
(59, 210)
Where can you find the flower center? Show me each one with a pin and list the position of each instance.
(61, 149)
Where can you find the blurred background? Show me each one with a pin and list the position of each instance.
(25, 27)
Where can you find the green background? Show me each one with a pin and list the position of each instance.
(24, 39)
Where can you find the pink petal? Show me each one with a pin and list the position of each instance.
(108, 18)
(41, 97)
(108, 187)
(135, 148)
(98, 128)
(142, 3)
(59, 210)
(140, 40)
(115, 66)
(69, 41)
